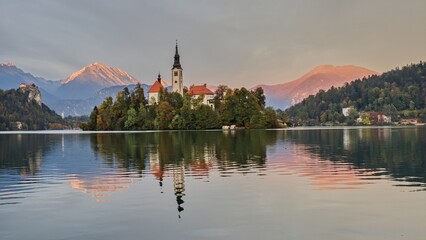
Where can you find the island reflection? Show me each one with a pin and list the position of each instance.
(183, 154)
(103, 163)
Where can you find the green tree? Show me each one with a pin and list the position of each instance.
(138, 97)
(164, 115)
(131, 120)
(352, 116)
(92, 119)
(271, 118)
(206, 118)
(258, 120)
(220, 95)
(365, 119)
(260, 96)
(175, 100)
(104, 118)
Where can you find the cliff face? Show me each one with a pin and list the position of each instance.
(33, 92)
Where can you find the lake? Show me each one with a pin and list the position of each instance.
(307, 183)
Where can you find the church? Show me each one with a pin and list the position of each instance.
(177, 85)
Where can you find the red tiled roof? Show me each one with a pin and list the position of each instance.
(199, 90)
(156, 87)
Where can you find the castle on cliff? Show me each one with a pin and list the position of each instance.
(33, 92)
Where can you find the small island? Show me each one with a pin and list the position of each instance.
(182, 108)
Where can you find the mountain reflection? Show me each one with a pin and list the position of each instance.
(179, 154)
(102, 163)
(399, 153)
(334, 158)
(99, 186)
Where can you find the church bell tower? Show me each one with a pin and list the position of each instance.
(177, 77)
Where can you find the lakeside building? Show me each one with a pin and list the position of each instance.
(376, 118)
(410, 121)
(153, 92)
(178, 86)
(201, 90)
(345, 111)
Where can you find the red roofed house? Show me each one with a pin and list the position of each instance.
(201, 90)
(153, 92)
(379, 118)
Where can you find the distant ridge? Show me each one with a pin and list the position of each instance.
(77, 94)
(11, 76)
(321, 77)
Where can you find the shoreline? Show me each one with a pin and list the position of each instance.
(209, 130)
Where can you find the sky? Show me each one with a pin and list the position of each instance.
(239, 43)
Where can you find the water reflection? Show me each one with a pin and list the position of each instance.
(104, 163)
(184, 154)
(20, 162)
(99, 187)
(22, 153)
(376, 152)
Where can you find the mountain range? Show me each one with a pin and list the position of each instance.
(322, 77)
(11, 76)
(78, 93)
(89, 86)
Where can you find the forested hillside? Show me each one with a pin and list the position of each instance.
(19, 113)
(400, 93)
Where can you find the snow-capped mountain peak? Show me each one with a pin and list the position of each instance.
(88, 80)
(101, 74)
(8, 64)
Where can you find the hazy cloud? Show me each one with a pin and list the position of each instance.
(237, 42)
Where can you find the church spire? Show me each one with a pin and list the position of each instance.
(176, 64)
(159, 77)
(177, 74)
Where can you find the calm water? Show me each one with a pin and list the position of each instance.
(355, 183)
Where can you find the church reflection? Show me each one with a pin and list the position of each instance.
(332, 159)
(179, 186)
(103, 163)
(182, 154)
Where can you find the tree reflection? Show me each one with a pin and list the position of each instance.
(183, 153)
(21, 158)
(195, 150)
(24, 152)
(400, 153)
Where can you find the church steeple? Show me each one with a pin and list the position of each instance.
(177, 73)
(159, 78)
(176, 64)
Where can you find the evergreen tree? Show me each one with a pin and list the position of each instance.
(392, 93)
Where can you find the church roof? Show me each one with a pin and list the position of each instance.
(157, 86)
(199, 90)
